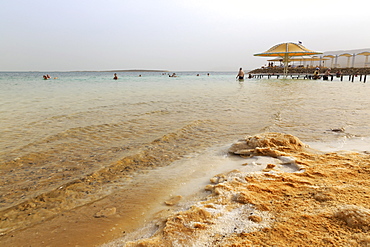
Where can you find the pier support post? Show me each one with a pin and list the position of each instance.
(353, 77)
(364, 78)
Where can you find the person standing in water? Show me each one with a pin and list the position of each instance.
(115, 76)
(240, 74)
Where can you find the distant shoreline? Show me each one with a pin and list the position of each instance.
(128, 70)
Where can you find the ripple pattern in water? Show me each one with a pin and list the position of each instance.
(72, 140)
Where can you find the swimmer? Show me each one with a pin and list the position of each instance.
(240, 74)
(316, 74)
(326, 75)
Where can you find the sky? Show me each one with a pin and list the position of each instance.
(186, 35)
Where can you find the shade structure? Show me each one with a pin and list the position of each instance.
(366, 54)
(348, 57)
(299, 59)
(286, 51)
(332, 59)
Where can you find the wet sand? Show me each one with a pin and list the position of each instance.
(324, 201)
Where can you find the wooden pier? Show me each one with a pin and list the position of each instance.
(347, 74)
(350, 78)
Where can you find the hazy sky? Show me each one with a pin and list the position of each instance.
(207, 35)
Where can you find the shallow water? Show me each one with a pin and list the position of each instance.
(55, 132)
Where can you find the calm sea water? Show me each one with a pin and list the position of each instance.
(56, 131)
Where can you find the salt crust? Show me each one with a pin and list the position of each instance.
(303, 206)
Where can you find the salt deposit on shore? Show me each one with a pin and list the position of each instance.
(325, 203)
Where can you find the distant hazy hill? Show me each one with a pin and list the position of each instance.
(136, 70)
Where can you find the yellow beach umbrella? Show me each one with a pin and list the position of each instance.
(366, 54)
(332, 59)
(299, 59)
(348, 57)
(286, 51)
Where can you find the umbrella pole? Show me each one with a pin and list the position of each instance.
(286, 65)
